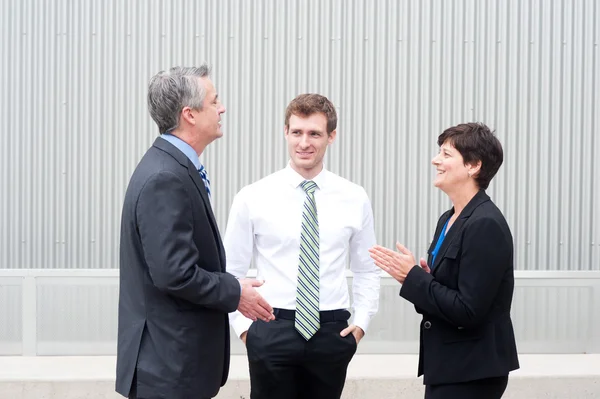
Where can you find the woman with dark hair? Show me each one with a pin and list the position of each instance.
(464, 291)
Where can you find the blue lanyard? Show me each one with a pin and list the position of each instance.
(439, 242)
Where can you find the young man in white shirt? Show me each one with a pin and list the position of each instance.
(301, 226)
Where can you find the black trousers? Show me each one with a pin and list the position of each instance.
(488, 388)
(284, 365)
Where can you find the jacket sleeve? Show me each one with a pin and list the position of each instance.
(166, 229)
(486, 256)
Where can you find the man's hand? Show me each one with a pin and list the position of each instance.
(355, 330)
(252, 304)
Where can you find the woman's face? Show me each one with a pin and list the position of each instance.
(451, 169)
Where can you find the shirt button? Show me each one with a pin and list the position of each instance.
(427, 325)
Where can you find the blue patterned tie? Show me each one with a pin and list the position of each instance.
(307, 295)
(204, 177)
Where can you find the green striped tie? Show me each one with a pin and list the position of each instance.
(307, 296)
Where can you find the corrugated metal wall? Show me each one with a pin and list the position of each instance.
(74, 77)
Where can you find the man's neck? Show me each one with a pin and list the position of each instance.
(308, 174)
(190, 140)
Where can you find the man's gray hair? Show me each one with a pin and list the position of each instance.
(170, 91)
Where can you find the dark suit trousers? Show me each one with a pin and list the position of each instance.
(133, 393)
(488, 388)
(284, 365)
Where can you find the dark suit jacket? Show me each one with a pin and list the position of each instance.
(466, 331)
(174, 292)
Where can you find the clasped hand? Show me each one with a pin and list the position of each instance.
(396, 264)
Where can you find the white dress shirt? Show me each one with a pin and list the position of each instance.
(264, 227)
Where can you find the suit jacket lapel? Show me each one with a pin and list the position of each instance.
(202, 190)
(193, 172)
(195, 175)
(457, 226)
(450, 236)
(438, 231)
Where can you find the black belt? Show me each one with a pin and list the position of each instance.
(326, 316)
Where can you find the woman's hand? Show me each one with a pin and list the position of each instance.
(425, 266)
(396, 264)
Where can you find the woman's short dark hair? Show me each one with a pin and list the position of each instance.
(476, 142)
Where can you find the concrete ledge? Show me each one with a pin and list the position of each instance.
(369, 376)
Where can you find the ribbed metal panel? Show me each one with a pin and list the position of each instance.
(74, 76)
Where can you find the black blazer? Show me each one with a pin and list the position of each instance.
(466, 331)
(174, 293)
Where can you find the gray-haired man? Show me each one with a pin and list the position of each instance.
(173, 339)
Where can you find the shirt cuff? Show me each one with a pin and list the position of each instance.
(240, 323)
(362, 319)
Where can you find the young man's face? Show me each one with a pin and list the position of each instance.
(307, 140)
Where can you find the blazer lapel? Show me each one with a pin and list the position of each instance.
(450, 236)
(195, 175)
(193, 172)
(436, 235)
(457, 226)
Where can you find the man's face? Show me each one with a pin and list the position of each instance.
(208, 120)
(307, 140)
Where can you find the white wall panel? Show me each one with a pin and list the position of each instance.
(11, 316)
(76, 316)
(74, 76)
(74, 312)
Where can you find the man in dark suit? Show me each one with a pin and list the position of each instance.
(173, 338)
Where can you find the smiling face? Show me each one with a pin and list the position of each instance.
(452, 173)
(307, 140)
(209, 118)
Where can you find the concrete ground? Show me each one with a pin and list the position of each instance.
(369, 376)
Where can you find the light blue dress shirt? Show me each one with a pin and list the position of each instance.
(183, 147)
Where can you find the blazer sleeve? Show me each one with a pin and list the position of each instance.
(166, 229)
(486, 254)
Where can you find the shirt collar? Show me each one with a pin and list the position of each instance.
(184, 147)
(294, 179)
